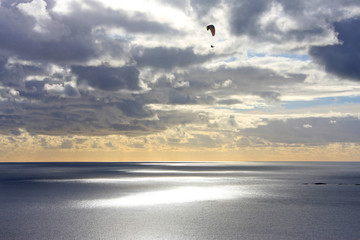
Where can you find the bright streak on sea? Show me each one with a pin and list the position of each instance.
(175, 195)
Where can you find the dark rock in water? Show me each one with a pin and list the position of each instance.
(320, 183)
(357, 184)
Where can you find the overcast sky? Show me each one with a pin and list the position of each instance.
(138, 80)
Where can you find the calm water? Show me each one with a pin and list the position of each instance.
(180, 201)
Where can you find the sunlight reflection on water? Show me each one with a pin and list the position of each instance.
(169, 196)
(162, 171)
(136, 180)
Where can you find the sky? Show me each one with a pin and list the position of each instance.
(138, 81)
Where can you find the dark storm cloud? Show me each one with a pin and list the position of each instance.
(134, 109)
(9, 123)
(3, 61)
(166, 91)
(172, 118)
(253, 79)
(70, 91)
(165, 119)
(308, 131)
(167, 58)
(67, 38)
(33, 90)
(80, 116)
(54, 107)
(342, 59)
(85, 115)
(13, 74)
(241, 80)
(246, 15)
(108, 78)
(200, 86)
(60, 43)
(42, 83)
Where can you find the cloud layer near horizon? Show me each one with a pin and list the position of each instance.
(280, 73)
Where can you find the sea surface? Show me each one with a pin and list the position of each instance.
(180, 200)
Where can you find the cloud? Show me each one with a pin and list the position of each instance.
(70, 91)
(96, 14)
(341, 59)
(168, 58)
(229, 101)
(134, 108)
(176, 3)
(203, 7)
(3, 61)
(66, 144)
(244, 80)
(245, 15)
(62, 90)
(281, 21)
(59, 44)
(73, 37)
(14, 74)
(270, 96)
(109, 145)
(108, 78)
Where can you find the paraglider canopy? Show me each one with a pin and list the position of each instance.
(211, 28)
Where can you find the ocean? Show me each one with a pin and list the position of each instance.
(180, 200)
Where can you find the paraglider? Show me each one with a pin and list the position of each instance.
(212, 30)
